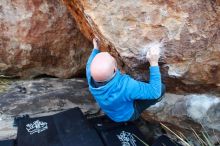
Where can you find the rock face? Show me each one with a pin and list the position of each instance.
(188, 30)
(199, 112)
(40, 37)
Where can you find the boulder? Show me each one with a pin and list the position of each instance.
(188, 32)
(40, 37)
(188, 113)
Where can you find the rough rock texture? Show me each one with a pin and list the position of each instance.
(188, 30)
(40, 37)
(200, 112)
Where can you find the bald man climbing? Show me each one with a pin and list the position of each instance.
(121, 97)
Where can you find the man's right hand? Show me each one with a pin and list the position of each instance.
(95, 43)
(153, 55)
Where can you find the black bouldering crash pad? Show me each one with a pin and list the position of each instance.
(68, 128)
(72, 128)
(7, 143)
(117, 134)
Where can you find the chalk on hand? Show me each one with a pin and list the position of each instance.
(153, 46)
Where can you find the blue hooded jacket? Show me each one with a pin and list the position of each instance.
(116, 98)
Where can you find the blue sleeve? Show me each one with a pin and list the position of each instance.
(91, 57)
(142, 90)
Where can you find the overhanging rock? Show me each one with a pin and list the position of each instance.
(188, 31)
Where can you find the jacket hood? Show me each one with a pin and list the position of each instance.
(103, 91)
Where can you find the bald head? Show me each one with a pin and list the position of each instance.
(103, 67)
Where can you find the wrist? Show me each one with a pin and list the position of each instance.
(153, 63)
(95, 47)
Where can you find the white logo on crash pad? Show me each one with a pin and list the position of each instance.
(126, 139)
(36, 127)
